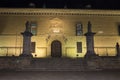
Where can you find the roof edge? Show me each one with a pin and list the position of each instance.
(60, 11)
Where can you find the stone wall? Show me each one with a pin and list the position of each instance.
(13, 63)
(104, 63)
(104, 23)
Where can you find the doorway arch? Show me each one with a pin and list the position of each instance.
(56, 49)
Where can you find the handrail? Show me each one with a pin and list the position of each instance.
(7, 50)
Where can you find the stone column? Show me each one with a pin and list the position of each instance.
(27, 41)
(90, 41)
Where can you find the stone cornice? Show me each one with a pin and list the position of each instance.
(31, 11)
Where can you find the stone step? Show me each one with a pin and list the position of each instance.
(56, 64)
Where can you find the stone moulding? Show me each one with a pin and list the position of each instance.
(40, 11)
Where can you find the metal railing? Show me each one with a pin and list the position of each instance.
(16, 51)
(105, 51)
(10, 51)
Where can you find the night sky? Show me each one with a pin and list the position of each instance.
(71, 4)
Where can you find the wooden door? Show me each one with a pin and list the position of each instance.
(56, 50)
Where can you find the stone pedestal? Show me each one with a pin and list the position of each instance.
(27, 41)
(90, 42)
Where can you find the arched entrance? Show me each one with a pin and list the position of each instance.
(56, 50)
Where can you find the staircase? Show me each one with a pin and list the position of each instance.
(56, 64)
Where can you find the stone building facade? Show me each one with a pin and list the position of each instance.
(59, 32)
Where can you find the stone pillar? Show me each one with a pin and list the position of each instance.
(90, 42)
(27, 41)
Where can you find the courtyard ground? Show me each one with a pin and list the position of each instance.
(59, 75)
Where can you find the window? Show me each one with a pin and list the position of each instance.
(79, 47)
(33, 44)
(79, 30)
(33, 28)
(119, 30)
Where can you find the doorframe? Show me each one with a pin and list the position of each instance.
(60, 55)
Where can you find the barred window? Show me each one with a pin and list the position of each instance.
(33, 44)
(79, 47)
(79, 29)
(119, 30)
(34, 27)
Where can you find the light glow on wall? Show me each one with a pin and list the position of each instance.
(56, 30)
(40, 52)
(100, 32)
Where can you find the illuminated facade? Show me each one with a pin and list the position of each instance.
(59, 32)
